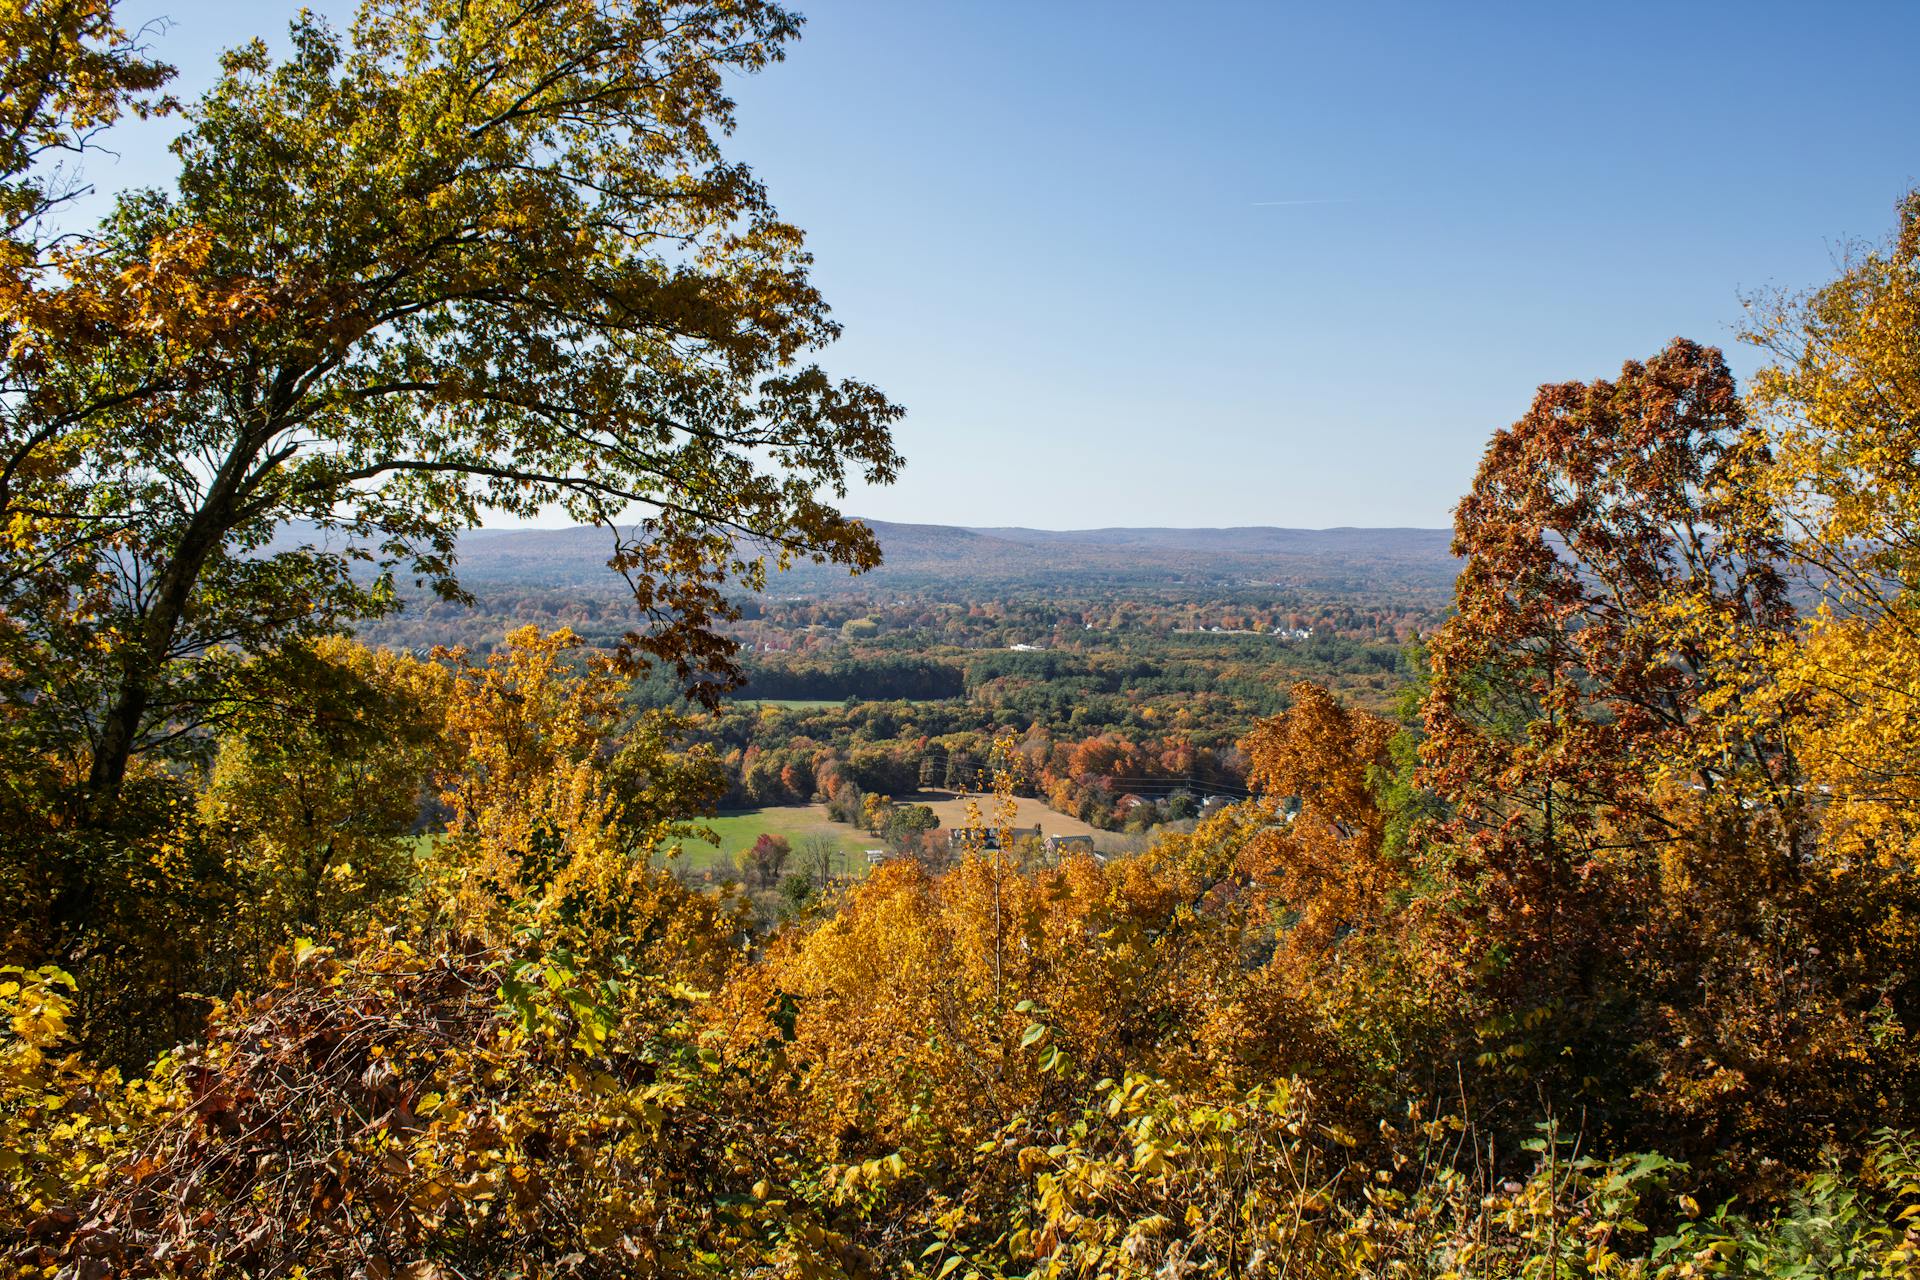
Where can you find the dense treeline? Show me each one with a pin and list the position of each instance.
(1105, 723)
(1103, 726)
(798, 755)
(1595, 956)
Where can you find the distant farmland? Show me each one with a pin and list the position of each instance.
(738, 829)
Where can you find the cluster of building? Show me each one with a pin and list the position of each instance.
(1278, 633)
(960, 839)
(1057, 847)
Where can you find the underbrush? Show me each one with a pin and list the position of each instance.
(394, 1113)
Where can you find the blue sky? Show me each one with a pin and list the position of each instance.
(1234, 264)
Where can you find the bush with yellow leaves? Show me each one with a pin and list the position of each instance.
(66, 1126)
(461, 1113)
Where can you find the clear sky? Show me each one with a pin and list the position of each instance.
(1284, 264)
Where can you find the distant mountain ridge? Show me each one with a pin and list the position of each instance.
(920, 556)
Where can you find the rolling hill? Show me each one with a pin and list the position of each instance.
(922, 555)
(928, 556)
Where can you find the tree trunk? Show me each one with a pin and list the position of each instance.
(120, 729)
(146, 661)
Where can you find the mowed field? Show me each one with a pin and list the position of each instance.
(951, 809)
(738, 829)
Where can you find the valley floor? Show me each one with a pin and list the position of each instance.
(737, 829)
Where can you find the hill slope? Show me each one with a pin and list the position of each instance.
(927, 556)
(921, 555)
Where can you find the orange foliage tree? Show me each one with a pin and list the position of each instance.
(1628, 873)
(1326, 860)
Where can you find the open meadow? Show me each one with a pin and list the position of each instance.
(951, 808)
(736, 830)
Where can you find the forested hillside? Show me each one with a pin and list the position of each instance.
(1543, 904)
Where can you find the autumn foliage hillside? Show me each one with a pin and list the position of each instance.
(1598, 957)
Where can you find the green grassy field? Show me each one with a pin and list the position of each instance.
(738, 830)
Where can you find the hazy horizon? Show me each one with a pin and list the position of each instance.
(1040, 528)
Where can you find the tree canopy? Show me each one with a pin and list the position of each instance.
(461, 259)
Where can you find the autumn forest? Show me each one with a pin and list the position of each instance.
(1547, 905)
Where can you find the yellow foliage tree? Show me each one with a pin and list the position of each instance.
(314, 803)
(1842, 410)
(65, 1124)
(559, 807)
(930, 1009)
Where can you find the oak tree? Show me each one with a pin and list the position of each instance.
(1607, 561)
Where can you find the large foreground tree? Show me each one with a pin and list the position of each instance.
(1612, 576)
(469, 257)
